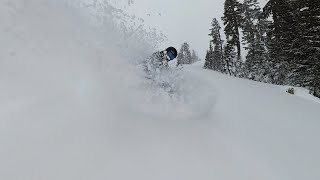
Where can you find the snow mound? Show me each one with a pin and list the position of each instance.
(302, 93)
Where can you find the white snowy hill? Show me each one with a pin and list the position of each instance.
(73, 107)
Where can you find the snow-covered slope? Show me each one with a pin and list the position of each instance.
(73, 107)
(266, 132)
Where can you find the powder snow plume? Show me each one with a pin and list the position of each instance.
(71, 100)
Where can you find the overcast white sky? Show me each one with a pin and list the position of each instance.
(181, 20)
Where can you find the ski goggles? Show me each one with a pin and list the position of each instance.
(170, 55)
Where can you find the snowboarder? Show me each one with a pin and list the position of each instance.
(157, 69)
(159, 60)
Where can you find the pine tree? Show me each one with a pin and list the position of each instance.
(209, 59)
(254, 31)
(250, 11)
(283, 33)
(306, 69)
(194, 57)
(180, 57)
(184, 55)
(232, 20)
(217, 53)
(230, 59)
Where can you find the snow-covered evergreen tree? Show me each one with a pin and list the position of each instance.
(209, 60)
(305, 70)
(254, 32)
(185, 56)
(285, 50)
(250, 15)
(180, 57)
(206, 61)
(232, 20)
(194, 56)
(230, 57)
(217, 53)
(283, 33)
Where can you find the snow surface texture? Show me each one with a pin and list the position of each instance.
(73, 107)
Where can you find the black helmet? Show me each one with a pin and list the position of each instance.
(171, 52)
